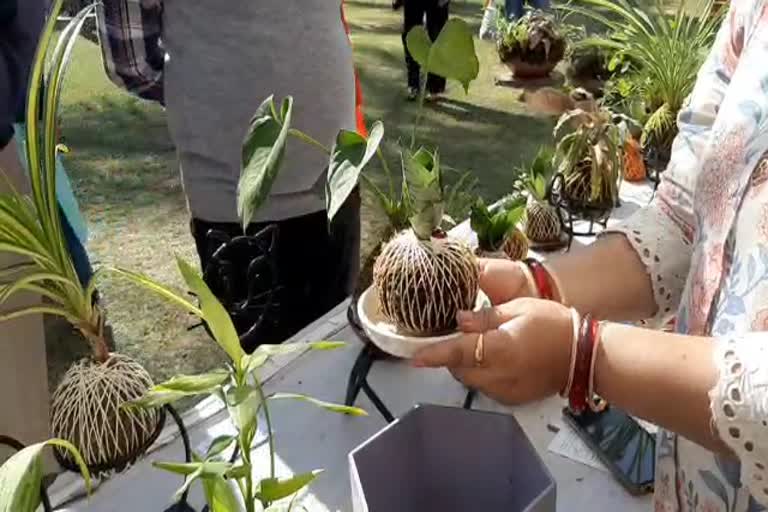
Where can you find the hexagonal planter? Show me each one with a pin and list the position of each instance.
(450, 459)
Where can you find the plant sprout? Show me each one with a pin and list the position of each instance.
(238, 386)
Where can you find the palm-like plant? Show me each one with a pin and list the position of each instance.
(589, 158)
(86, 408)
(542, 225)
(662, 52)
(497, 229)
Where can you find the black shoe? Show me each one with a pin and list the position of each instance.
(413, 94)
(397, 4)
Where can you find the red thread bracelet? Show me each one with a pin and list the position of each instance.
(595, 403)
(577, 398)
(541, 278)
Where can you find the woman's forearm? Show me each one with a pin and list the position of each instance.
(661, 377)
(606, 279)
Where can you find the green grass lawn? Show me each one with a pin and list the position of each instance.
(122, 166)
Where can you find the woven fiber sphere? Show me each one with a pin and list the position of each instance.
(422, 284)
(542, 223)
(86, 411)
(516, 245)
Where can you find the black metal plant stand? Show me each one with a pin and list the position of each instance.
(358, 376)
(568, 213)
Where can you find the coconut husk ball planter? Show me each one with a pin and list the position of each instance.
(482, 462)
(87, 410)
(422, 284)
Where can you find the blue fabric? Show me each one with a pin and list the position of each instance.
(72, 222)
(516, 8)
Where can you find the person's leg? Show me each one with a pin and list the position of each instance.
(413, 16)
(513, 9)
(540, 4)
(437, 17)
(288, 288)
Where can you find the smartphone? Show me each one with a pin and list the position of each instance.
(621, 443)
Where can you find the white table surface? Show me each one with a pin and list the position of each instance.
(308, 438)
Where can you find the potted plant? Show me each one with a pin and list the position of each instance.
(422, 194)
(239, 388)
(656, 57)
(86, 405)
(542, 223)
(530, 46)
(588, 160)
(21, 476)
(498, 235)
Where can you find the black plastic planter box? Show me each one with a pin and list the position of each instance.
(447, 459)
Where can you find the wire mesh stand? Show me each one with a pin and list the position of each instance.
(358, 376)
(182, 505)
(568, 214)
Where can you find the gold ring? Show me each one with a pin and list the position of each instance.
(479, 350)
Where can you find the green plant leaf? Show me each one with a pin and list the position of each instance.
(238, 472)
(350, 154)
(220, 444)
(160, 289)
(179, 387)
(422, 177)
(220, 495)
(193, 471)
(263, 152)
(243, 403)
(328, 406)
(214, 314)
(274, 489)
(452, 55)
(21, 476)
(263, 352)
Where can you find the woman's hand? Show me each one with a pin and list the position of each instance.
(526, 356)
(503, 280)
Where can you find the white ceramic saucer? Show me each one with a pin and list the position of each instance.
(385, 335)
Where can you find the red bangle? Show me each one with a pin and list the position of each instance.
(595, 403)
(541, 278)
(577, 398)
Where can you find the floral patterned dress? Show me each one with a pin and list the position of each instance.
(704, 241)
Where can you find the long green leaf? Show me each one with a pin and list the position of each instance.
(220, 495)
(350, 154)
(328, 406)
(7, 316)
(156, 287)
(21, 476)
(214, 314)
(179, 387)
(263, 151)
(274, 489)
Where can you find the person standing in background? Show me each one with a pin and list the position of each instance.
(433, 13)
(514, 9)
(211, 65)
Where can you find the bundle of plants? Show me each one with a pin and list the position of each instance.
(451, 55)
(229, 484)
(423, 277)
(532, 45)
(86, 408)
(589, 159)
(498, 234)
(542, 222)
(657, 55)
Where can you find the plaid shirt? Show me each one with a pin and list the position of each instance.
(131, 42)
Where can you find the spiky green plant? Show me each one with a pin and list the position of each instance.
(239, 387)
(589, 157)
(662, 54)
(493, 228)
(542, 224)
(85, 409)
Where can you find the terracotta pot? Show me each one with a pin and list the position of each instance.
(522, 69)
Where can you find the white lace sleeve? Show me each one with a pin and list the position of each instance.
(666, 253)
(740, 406)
